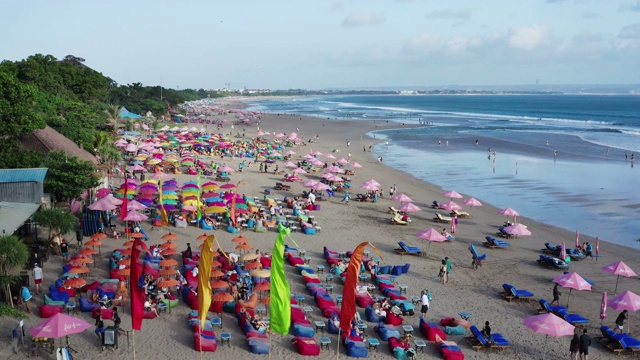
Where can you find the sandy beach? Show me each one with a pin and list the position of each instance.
(476, 292)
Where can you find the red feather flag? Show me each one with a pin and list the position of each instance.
(125, 201)
(137, 293)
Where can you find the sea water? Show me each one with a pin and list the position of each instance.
(560, 159)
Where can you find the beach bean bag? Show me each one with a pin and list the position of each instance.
(93, 286)
(151, 271)
(265, 262)
(170, 303)
(396, 270)
(398, 351)
(455, 330)
(260, 229)
(258, 346)
(309, 231)
(205, 226)
(356, 349)
(109, 294)
(192, 300)
(450, 350)
(216, 307)
(113, 274)
(106, 314)
(384, 269)
(71, 292)
(370, 315)
(149, 315)
(232, 229)
(331, 327)
(47, 311)
(306, 346)
(431, 331)
(229, 307)
(461, 322)
(405, 268)
(387, 332)
(393, 319)
(49, 301)
(448, 321)
(56, 295)
(301, 330)
(364, 300)
(87, 306)
(395, 294)
(205, 342)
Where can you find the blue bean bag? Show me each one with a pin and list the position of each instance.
(258, 346)
(108, 294)
(386, 331)
(87, 306)
(229, 307)
(455, 330)
(396, 270)
(384, 269)
(310, 231)
(232, 229)
(356, 349)
(56, 295)
(331, 328)
(205, 226)
(371, 315)
(303, 330)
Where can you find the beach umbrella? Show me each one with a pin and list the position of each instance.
(355, 165)
(402, 198)
(626, 301)
(518, 230)
(124, 262)
(299, 171)
(58, 326)
(509, 212)
(87, 252)
(431, 235)
(452, 194)
(572, 281)
(94, 242)
(342, 161)
(102, 192)
(250, 256)
(99, 236)
(167, 283)
(290, 164)
(619, 268)
(563, 252)
(103, 204)
(290, 152)
(75, 283)
(135, 216)
(370, 186)
(216, 273)
(472, 202)
(372, 181)
(260, 273)
(125, 252)
(82, 260)
(79, 270)
(243, 247)
(128, 243)
(137, 235)
(168, 245)
(226, 168)
(228, 186)
(334, 169)
(240, 239)
(309, 183)
(603, 307)
(450, 205)
(168, 252)
(409, 207)
(135, 205)
(169, 237)
(202, 237)
(222, 297)
(219, 284)
(549, 324)
(320, 187)
(266, 300)
(252, 265)
(168, 262)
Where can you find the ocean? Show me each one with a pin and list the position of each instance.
(560, 159)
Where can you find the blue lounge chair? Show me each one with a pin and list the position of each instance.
(550, 249)
(477, 341)
(552, 263)
(546, 308)
(473, 250)
(618, 343)
(576, 320)
(496, 243)
(510, 292)
(410, 250)
(575, 254)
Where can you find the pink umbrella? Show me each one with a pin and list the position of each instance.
(333, 177)
(102, 192)
(189, 208)
(619, 268)
(452, 194)
(518, 230)
(228, 186)
(334, 169)
(135, 205)
(329, 156)
(577, 239)
(290, 164)
(342, 161)
(121, 143)
(320, 186)
(431, 235)
(409, 207)
(402, 198)
(603, 307)
(572, 281)
(131, 148)
(290, 152)
(370, 187)
(371, 181)
(563, 252)
(292, 136)
(549, 324)
(102, 205)
(509, 212)
(309, 183)
(58, 326)
(299, 171)
(113, 200)
(355, 165)
(450, 205)
(626, 301)
(472, 202)
(226, 168)
(135, 216)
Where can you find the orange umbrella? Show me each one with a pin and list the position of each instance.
(79, 270)
(222, 296)
(168, 245)
(126, 252)
(219, 284)
(99, 236)
(93, 242)
(261, 273)
(202, 237)
(215, 273)
(169, 236)
(252, 265)
(87, 252)
(168, 272)
(168, 262)
(167, 283)
(128, 244)
(244, 247)
(240, 239)
(266, 300)
(124, 272)
(125, 262)
(216, 264)
(136, 235)
(168, 252)
(75, 283)
(82, 260)
(263, 286)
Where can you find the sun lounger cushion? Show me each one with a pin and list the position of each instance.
(206, 343)
(386, 331)
(47, 311)
(306, 346)
(574, 319)
(258, 346)
(86, 305)
(455, 330)
(356, 349)
(499, 340)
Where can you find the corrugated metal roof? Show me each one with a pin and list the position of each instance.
(13, 215)
(22, 175)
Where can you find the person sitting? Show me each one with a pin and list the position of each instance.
(486, 331)
(354, 332)
(258, 324)
(149, 306)
(105, 302)
(382, 314)
(405, 217)
(336, 320)
(244, 292)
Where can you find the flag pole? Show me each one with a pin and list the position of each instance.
(200, 334)
(133, 337)
(269, 331)
(338, 348)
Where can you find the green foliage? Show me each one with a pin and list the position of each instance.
(113, 115)
(6, 310)
(67, 176)
(18, 114)
(13, 253)
(12, 159)
(58, 221)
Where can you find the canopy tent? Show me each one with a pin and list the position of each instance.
(13, 215)
(124, 113)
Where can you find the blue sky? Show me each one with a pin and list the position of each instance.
(315, 44)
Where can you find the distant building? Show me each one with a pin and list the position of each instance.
(48, 139)
(21, 194)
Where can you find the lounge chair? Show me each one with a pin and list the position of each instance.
(397, 220)
(510, 293)
(502, 233)
(281, 186)
(461, 214)
(442, 218)
(496, 243)
(576, 320)
(552, 263)
(618, 343)
(575, 254)
(408, 250)
(474, 252)
(435, 204)
(549, 249)
(546, 308)
(393, 210)
(477, 341)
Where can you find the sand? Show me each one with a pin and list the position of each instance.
(343, 227)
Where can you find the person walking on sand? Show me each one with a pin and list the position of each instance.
(37, 277)
(556, 295)
(585, 342)
(443, 272)
(449, 268)
(424, 300)
(620, 320)
(346, 198)
(574, 347)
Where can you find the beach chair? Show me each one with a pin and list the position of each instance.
(496, 243)
(393, 210)
(281, 186)
(549, 249)
(510, 293)
(575, 254)
(442, 218)
(397, 220)
(461, 214)
(552, 263)
(502, 233)
(576, 320)
(546, 308)
(435, 204)
(478, 342)
(618, 343)
(408, 250)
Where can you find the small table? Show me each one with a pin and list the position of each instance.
(408, 329)
(420, 344)
(329, 278)
(377, 260)
(162, 307)
(261, 309)
(216, 321)
(325, 342)
(71, 308)
(329, 288)
(319, 325)
(363, 277)
(307, 309)
(307, 259)
(343, 255)
(373, 343)
(403, 288)
(302, 252)
(338, 299)
(320, 269)
(393, 278)
(415, 299)
(300, 299)
(363, 327)
(225, 338)
(465, 315)
(366, 253)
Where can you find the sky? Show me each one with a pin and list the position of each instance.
(314, 44)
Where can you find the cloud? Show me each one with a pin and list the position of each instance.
(423, 44)
(363, 19)
(462, 15)
(630, 34)
(629, 6)
(529, 37)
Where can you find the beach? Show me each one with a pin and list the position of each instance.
(476, 292)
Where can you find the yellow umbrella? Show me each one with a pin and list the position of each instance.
(153, 161)
(210, 188)
(215, 210)
(260, 273)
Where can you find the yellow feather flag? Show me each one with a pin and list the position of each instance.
(204, 276)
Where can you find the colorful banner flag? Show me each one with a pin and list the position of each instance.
(163, 213)
(348, 309)
(125, 202)
(232, 212)
(280, 306)
(137, 293)
(199, 214)
(204, 278)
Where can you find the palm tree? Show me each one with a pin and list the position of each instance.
(113, 115)
(13, 253)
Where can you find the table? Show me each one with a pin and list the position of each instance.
(307, 309)
(325, 342)
(403, 288)
(225, 337)
(320, 269)
(71, 308)
(216, 321)
(319, 325)
(465, 315)
(162, 307)
(300, 299)
(338, 299)
(408, 329)
(420, 344)
(366, 253)
(307, 259)
(363, 277)
(261, 309)
(329, 288)
(373, 343)
(377, 260)
(329, 278)
(302, 252)
(363, 327)
(415, 299)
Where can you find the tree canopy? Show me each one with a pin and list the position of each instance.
(67, 177)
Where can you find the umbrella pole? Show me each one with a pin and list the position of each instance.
(569, 299)
(546, 340)
(338, 348)
(133, 339)
(615, 292)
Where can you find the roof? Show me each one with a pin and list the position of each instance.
(13, 215)
(49, 139)
(22, 175)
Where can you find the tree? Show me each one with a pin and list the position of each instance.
(58, 221)
(13, 253)
(113, 115)
(18, 114)
(68, 177)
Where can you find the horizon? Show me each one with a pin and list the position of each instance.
(287, 44)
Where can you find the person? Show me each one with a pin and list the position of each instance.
(354, 332)
(244, 292)
(336, 320)
(346, 198)
(449, 268)
(194, 271)
(116, 318)
(26, 297)
(189, 253)
(556, 295)
(149, 306)
(443, 271)
(99, 325)
(57, 240)
(620, 320)
(382, 313)
(424, 300)
(585, 342)
(486, 331)
(589, 250)
(64, 249)
(37, 276)
(574, 347)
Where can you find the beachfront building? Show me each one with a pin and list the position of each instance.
(48, 139)
(21, 194)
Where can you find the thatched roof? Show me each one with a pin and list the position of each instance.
(48, 139)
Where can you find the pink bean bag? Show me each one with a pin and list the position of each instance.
(192, 300)
(71, 292)
(461, 322)
(153, 272)
(47, 311)
(306, 346)
(327, 312)
(448, 321)
(149, 315)
(266, 262)
(393, 319)
(93, 286)
(106, 313)
(430, 332)
(364, 300)
(205, 342)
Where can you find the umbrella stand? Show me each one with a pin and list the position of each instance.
(615, 292)
(546, 344)
(569, 299)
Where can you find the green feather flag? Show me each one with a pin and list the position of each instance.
(280, 307)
